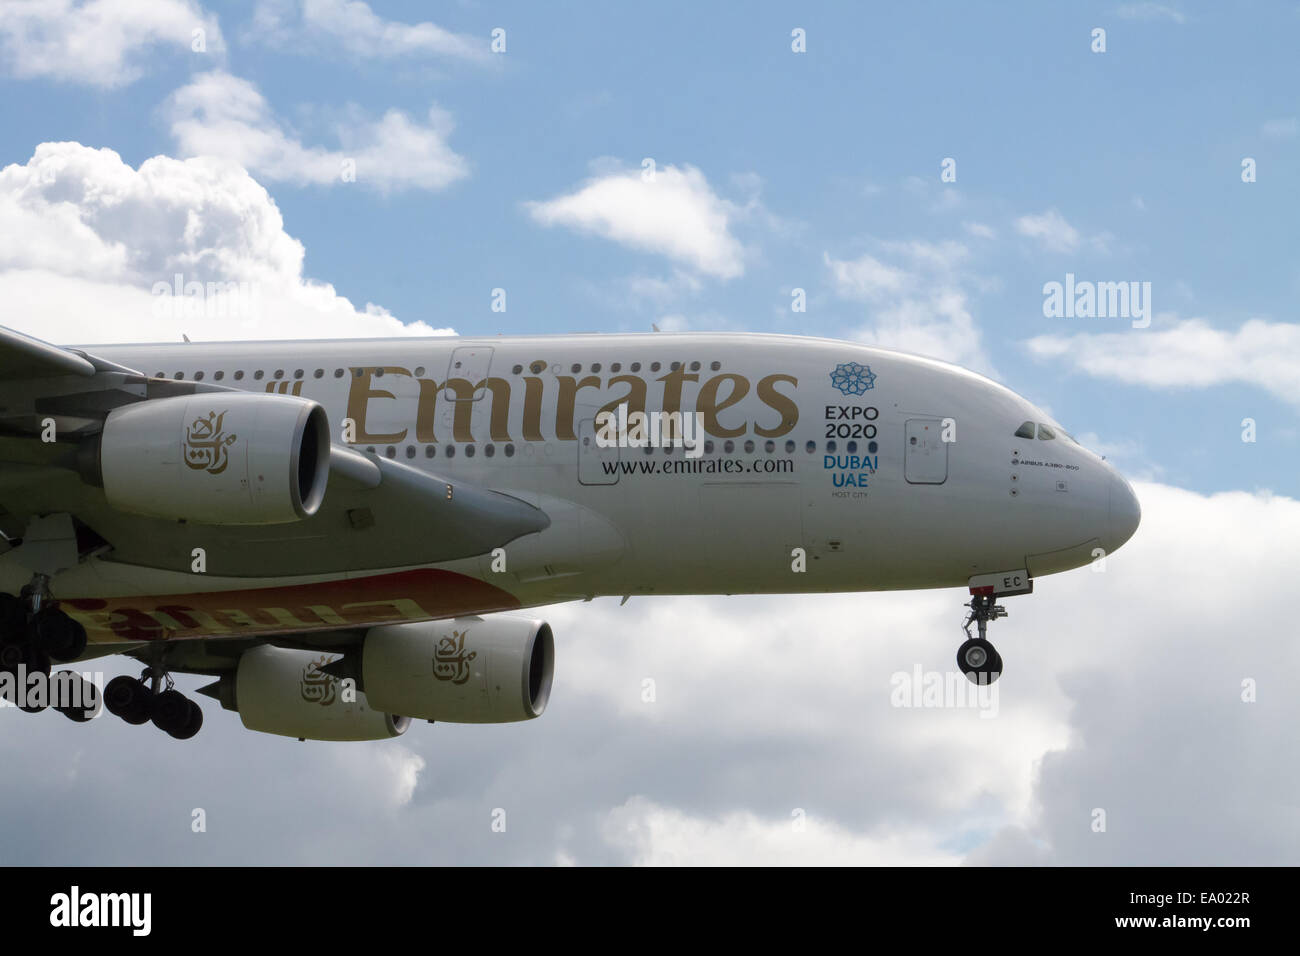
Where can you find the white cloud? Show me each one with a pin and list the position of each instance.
(84, 238)
(940, 325)
(1284, 128)
(1126, 454)
(1136, 702)
(356, 28)
(1150, 11)
(104, 43)
(1189, 354)
(653, 835)
(387, 774)
(675, 214)
(707, 321)
(218, 114)
(674, 322)
(866, 277)
(1107, 675)
(979, 230)
(919, 305)
(1051, 229)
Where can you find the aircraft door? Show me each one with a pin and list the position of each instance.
(925, 453)
(470, 362)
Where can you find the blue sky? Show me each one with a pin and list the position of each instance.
(828, 155)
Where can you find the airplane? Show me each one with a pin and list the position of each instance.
(336, 531)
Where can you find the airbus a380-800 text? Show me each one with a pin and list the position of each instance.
(331, 529)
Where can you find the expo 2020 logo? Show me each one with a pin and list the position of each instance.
(852, 378)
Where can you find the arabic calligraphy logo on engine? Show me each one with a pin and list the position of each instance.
(450, 662)
(206, 444)
(316, 686)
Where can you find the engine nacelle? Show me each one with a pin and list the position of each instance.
(217, 458)
(468, 670)
(280, 691)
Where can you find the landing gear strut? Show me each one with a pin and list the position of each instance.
(977, 658)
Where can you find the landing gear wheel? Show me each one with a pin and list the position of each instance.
(128, 698)
(13, 618)
(979, 661)
(59, 635)
(152, 697)
(11, 655)
(192, 725)
(37, 660)
(171, 711)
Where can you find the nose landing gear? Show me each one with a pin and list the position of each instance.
(976, 657)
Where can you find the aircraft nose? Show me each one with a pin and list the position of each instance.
(1125, 512)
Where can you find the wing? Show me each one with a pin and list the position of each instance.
(23, 357)
(377, 513)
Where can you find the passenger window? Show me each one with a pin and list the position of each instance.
(1026, 430)
(1045, 433)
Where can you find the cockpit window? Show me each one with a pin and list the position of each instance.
(1045, 433)
(1026, 430)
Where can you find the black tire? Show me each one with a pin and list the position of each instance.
(36, 660)
(59, 635)
(128, 698)
(979, 661)
(75, 643)
(192, 726)
(11, 655)
(13, 617)
(170, 711)
(995, 667)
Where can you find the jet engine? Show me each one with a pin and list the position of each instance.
(467, 670)
(280, 691)
(216, 458)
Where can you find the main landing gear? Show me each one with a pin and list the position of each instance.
(144, 699)
(34, 632)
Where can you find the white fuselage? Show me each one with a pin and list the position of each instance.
(823, 465)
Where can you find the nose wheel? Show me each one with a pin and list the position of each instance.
(977, 658)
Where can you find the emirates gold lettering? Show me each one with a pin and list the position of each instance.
(773, 413)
